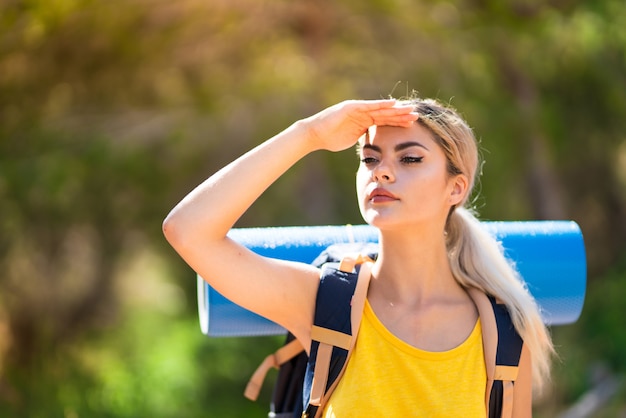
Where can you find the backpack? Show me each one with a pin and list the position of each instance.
(338, 310)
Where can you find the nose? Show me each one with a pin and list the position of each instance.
(382, 172)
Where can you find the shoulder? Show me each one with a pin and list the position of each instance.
(501, 341)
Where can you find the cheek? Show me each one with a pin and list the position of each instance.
(429, 187)
(362, 178)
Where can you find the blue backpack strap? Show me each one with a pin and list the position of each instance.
(508, 354)
(502, 347)
(335, 326)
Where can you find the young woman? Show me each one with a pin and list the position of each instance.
(418, 165)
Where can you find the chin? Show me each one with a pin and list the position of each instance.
(382, 221)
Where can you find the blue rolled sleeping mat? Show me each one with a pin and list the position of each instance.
(550, 256)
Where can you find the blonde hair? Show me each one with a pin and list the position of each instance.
(477, 259)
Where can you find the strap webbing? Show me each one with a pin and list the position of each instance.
(507, 398)
(506, 372)
(275, 360)
(320, 376)
(330, 337)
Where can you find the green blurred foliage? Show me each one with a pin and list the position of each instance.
(111, 111)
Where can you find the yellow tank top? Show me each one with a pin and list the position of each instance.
(387, 377)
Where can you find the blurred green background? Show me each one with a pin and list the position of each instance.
(111, 111)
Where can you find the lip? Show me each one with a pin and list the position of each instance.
(381, 195)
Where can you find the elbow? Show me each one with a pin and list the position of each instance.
(171, 229)
(184, 231)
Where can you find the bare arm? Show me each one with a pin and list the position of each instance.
(281, 291)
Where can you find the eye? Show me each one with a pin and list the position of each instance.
(369, 160)
(411, 160)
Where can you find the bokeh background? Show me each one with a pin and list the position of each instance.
(111, 111)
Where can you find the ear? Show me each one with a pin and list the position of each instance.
(459, 188)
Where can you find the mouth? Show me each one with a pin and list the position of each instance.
(380, 195)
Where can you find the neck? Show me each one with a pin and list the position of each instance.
(413, 266)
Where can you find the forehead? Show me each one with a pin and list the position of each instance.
(382, 136)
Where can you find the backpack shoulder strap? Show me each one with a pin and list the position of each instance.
(502, 347)
(339, 308)
(340, 287)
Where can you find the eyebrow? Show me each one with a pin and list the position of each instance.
(397, 148)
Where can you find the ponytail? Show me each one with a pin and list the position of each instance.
(477, 260)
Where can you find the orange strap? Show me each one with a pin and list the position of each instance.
(320, 375)
(507, 398)
(281, 356)
(350, 261)
(506, 373)
(331, 337)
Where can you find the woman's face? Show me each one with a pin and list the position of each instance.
(402, 179)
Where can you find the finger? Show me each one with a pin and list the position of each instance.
(382, 112)
(368, 106)
(394, 110)
(396, 117)
(378, 104)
